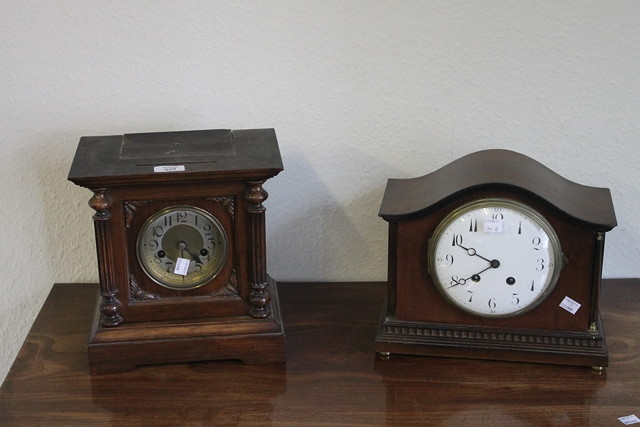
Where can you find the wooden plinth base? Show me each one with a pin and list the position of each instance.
(122, 348)
(536, 346)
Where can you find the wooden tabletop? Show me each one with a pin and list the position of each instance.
(332, 376)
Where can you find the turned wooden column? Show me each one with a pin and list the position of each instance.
(259, 296)
(110, 306)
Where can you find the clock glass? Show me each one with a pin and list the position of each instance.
(182, 247)
(495, 258)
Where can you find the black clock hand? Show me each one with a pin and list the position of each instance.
(475, 277)
(492, 264)
(193, 257)
(183, 246)
(473, 252)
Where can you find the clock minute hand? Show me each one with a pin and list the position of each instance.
(473, 252)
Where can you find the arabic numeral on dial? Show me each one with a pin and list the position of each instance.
(536, 243)
(540, 266)
(470, 296)
(492, 303)
(447, 260)
(457, 240)
(211, 243)
(455, 280)
(158, 231)
(181, 216)
(515, 300)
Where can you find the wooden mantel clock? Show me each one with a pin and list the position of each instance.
(495, 256)
(180, 235)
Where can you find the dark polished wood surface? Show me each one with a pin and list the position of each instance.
(332, 375)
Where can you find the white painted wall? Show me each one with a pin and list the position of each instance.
(358, 91)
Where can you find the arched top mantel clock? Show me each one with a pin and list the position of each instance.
(495, 256)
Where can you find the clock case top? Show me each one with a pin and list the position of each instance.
(416, 313)
(206, 154)
(498, 169)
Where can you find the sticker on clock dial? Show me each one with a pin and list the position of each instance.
(182, 266)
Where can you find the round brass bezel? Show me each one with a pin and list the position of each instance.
(217, 229)
(554, 242)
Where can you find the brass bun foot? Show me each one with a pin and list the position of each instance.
(384, 355)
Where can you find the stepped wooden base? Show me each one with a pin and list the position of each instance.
(536, 346)
(122, 348)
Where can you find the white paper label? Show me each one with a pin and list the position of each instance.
(629, 419)
(570, 305)
(493, 225)
(182, 266)
(176, 168)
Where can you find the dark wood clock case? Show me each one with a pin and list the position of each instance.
(235, 315)
(418, 320)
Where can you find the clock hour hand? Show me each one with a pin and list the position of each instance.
(474, 277)
(492, 264)
(183, 246)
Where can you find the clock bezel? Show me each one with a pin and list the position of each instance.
(492, 202)
(174, 208)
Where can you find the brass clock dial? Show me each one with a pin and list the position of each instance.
(182, 247)
(495, 258)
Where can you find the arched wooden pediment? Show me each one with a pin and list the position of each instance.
(499, 169)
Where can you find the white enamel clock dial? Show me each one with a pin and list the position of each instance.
(182, 247)
(495, 258)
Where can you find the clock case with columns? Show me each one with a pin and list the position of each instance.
(418, 320)
(235, 315)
